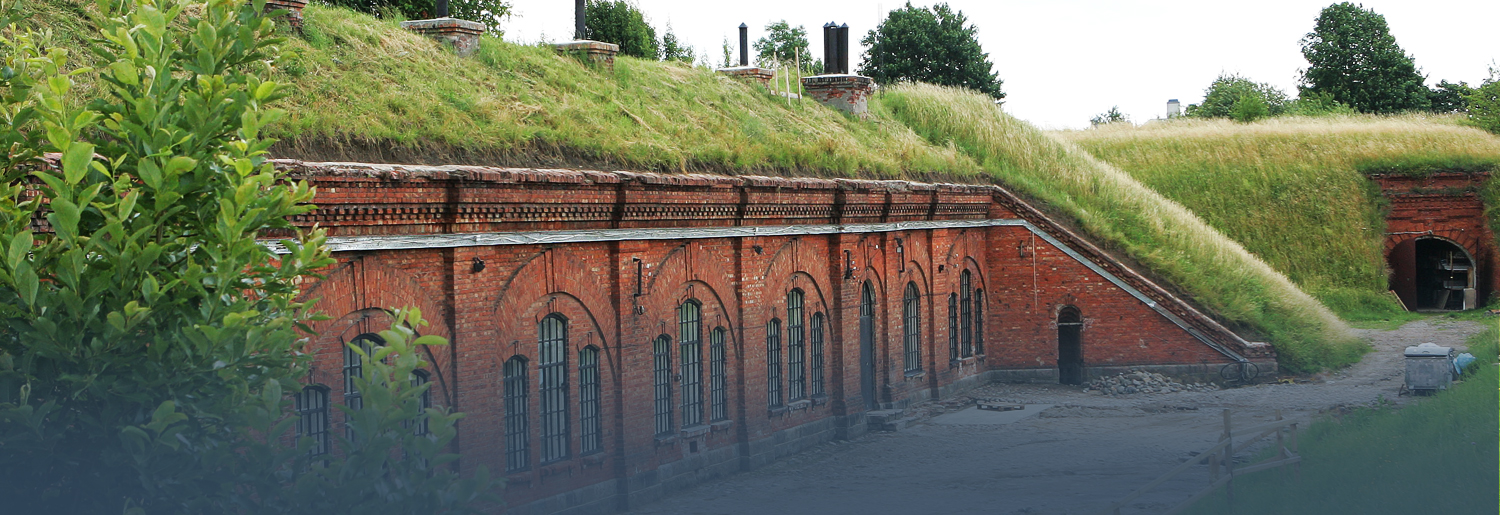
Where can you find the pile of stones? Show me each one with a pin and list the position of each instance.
(1138, 381)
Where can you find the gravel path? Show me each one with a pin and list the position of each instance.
(1076, 457)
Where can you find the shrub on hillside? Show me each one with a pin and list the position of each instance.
(1352, 55)
(622, 23)
(1254, 99)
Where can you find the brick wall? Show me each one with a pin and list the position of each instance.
(412, 235)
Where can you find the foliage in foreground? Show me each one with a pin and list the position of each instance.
(1484, 103)
(1292, 191)
(1154, 230)
(622, 23)
(1435, 455)
(148, 336)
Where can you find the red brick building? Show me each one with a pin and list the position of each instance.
(1438, 243)
(618, 336)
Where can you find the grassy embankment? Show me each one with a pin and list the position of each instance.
(1153, 229)
(364, 89)
(1293, 190)
(1437, 455)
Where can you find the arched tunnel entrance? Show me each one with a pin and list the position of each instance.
(1434, 274)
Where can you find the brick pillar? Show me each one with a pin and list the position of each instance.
(847, 93)
(462, 35)
(597, 53)
(293, 8)
(754, 74)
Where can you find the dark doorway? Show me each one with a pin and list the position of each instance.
(1069, 346)
(1433, 274)
(867, 347)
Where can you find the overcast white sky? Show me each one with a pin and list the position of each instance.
(1065, 61)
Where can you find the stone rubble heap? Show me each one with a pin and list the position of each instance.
(1144, 382)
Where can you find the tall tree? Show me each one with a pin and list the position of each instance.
(622, 23)
(1352, 56)
(934, 45)
(674, 49)
(784, 44)
(1447, 97)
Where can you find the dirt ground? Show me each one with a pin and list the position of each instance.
(1076, 457)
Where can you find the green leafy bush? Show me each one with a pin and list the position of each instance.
(1484, 103)
(488, 12)
(1228, 92)
(146, 334)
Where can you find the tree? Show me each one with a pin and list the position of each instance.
(936, 46)
(147, 335)
(783, 45)
(622, 23)
(1227, 92)
(1448, 97)
(1112, 116)
(1484, 103)
(1352, 56)
(674, 50)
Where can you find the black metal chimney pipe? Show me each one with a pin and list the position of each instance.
(578, 24)
(744, 45)
(830, 50)
(442, 8)
(844, 48)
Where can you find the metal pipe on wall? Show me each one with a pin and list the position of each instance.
(744, 45)
(578, 24)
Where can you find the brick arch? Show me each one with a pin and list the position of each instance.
(1469, 242)
(359, 293)
(689, 264)
(915, 254)
(546, 276)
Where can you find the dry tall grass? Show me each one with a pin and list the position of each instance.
(1151, 228)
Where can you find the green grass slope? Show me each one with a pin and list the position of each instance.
(362, 88)
(1291, 190)
(1151, 228)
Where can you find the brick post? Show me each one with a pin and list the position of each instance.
(847, 93)
(753, 74)
(597, 53)
(293, 8)
(462, 35)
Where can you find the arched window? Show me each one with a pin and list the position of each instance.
(661, 382)
(796, 348)
(979, 322)
(312, 418)
(815, 341)
(953, 326)
(517, 426)
(911, 309)
(717, 375)
(590, 437)
(354, 366)
(552, 343)
(966, 314)
(424, 400)
(773, 363)
(690, 336)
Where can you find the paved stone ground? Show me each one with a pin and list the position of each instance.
(1075, 457)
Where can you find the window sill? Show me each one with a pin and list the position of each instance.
(593, 459)
(666, 439)
(779, 410)
(819, 400)
(722, 425)
(916, 374)
(560, 468)
(799, 405)
(692, 431)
